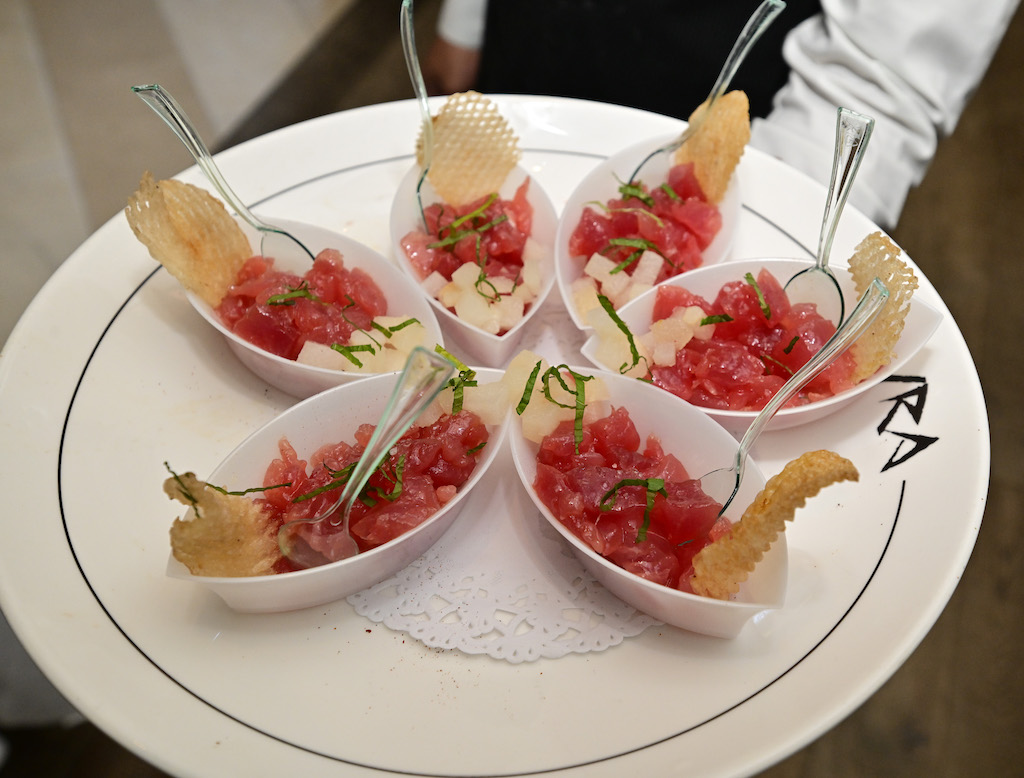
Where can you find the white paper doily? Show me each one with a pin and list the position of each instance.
(502, 582)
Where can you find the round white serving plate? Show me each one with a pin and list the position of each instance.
(111, 372)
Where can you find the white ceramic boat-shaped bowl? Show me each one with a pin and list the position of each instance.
(470, 343)
(602, 184)
(302, 380)
(329, 417)
(921, 322)
(701, 445)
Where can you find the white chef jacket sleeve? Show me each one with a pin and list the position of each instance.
(911, 64)
(461, 22)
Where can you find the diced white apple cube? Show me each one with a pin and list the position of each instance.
(509, 311)
(584, 295)
(466, 275)
(647, 268)
(319, 355)
(434, 283)
(693, 315)
(598, 267)
(488, 401)
(475, 309)
(449, 295)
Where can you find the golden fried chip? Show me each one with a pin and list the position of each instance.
(717, 145)
(190, 233)
(228, 535)
(879, 257)
(474, 149)
(720, 567)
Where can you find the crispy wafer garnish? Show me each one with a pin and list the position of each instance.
(715, 149)
(227, 535)
(474, 149)
(879, 257)
(720, 567)
(189, 232)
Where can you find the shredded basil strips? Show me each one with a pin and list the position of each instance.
(578, 391)
(340, 478)
(749, 278)
(483, 286)
(465, 377)
(624, 329)
(717, 318)
(349, 352)
(653, 487)
(641, 245)
(637, 191)
(293, 294)
(194, 502)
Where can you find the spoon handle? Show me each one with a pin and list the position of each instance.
(752, 30)
(422, 378)
(168, 109)
(863, 315)
(853, 131)
(757, 23)
(412, 62)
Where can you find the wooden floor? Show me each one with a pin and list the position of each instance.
(956, 708)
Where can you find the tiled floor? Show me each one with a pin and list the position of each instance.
(74, 141)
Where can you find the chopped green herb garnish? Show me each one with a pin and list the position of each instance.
(635, 190)
(465, 377)
(349, 352)
(395, 477)
(749, 278)
(250, 490)
(524, 400)
(624, 329)
(184, 490)
(476, 448)
(340, 478)
(673, 195)
(792, 343)
(293, 294)
(403, 324)
(641, 245)
(653, 486)
(578, 391)
(766, 359)
(475, 213)
(718, 318)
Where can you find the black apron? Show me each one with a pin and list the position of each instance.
(661, 55)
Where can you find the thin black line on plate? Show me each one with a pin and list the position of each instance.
(197, 695)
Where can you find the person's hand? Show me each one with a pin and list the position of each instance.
(449, 68)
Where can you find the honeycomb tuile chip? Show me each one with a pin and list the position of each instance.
(878, 257)
(190, 233)
(717, 145)
(474, 149)
(720, 567)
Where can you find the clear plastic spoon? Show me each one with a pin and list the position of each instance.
(818, 284)
(274, 241)
(723, 484)
(419, 86)
(756, 24)
(308, 545)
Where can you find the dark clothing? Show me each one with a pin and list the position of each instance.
(661, 55)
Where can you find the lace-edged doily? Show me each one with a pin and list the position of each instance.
(502, 582)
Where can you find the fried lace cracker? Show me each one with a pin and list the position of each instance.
(720, 567)
(717, 145)
(189, 232)
(474, 149)
(229, 535)
(879, 257)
